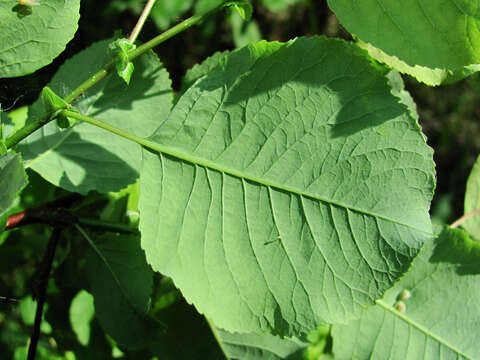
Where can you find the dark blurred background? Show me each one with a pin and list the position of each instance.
(448, 114)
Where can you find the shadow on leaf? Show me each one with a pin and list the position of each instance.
(454, 246)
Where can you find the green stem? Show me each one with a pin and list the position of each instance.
(91, 81)
(21, 134)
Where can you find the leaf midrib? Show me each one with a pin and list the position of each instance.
(180, 155)
(195, 160)
(419, 327)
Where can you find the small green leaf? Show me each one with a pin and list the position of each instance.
(119, 50)
(243, 7)
(437, 318)
(125, 72)
(81, 314)
(52, 101)
(54, 104)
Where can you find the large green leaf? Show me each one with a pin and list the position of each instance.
(84, 158)
(32, 36)
(284, 195)
(440, 317)
(259, 347)
(12, 180)
(121, 284)
(472, 202)
(444, 34)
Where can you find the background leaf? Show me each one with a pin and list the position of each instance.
(445, 35)
(440, 315)
(472, 201)
(35, 35)
(244, 32)
(28, 307)
(122, 288)
(84, 158)
(82, 312)
(166, 12)
(283, 196)
(279, 5)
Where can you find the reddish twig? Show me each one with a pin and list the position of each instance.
(14, 220)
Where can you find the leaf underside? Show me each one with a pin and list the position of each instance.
(282, 195)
